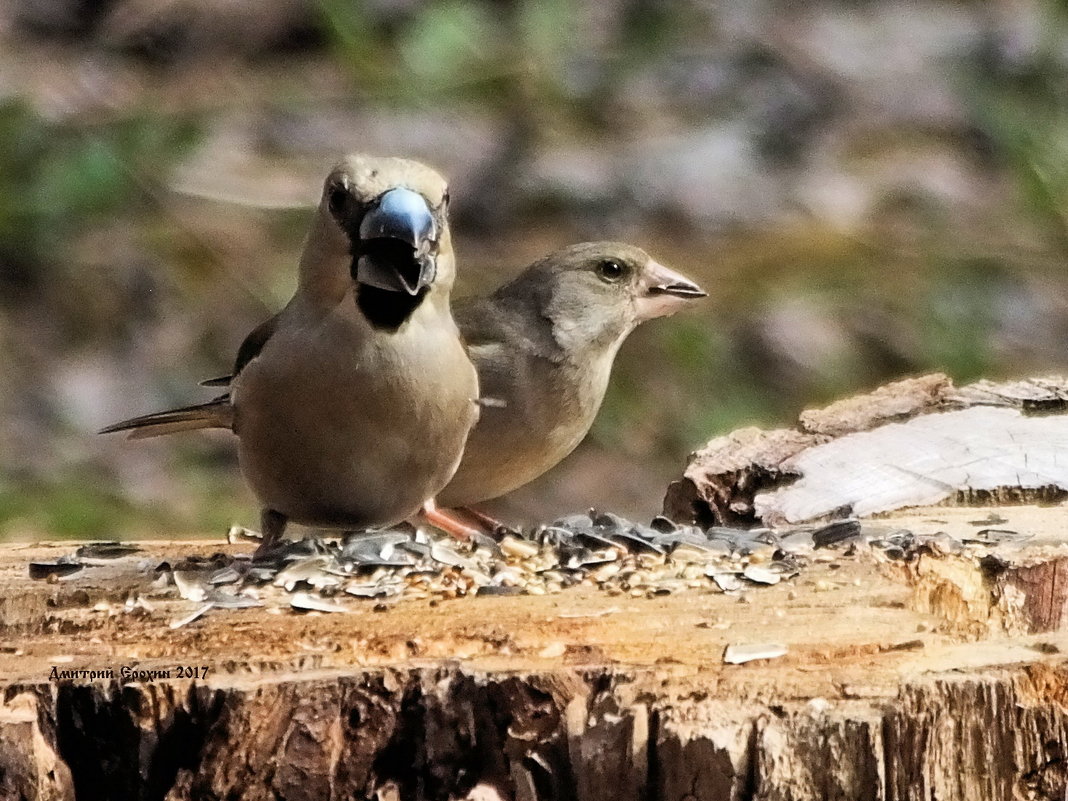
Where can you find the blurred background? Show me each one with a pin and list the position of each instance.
(866, 189)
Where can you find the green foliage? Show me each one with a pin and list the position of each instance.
(443, 47)
(356, 40)
(697, 388)
(449, 44)
(1022, 107)
(956, 317)
(469, 49)
(56, 178)
(72, 509)
(1033, 139)
(718, 392)
(83, 504)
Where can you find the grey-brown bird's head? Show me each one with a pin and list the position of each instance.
(595, 293)
(381, 229)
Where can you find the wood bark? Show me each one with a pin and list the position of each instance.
(445, 733)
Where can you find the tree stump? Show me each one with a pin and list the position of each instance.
(917, 655)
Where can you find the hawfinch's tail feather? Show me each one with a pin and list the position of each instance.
(214, 414)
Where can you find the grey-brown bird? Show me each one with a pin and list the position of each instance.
(544, 345)
(352, 404)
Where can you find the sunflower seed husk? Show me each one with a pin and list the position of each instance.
(59, 568)
(105, 551)
(761, 575)
(728, 582)
(226, 600)
(261, 574)
(740, 654)
(399, 560)
(447, 555)
(836, 533)
(185, 621)
(312, 571)
(224, 575)
(376, 590)
(500, 589)
(192, 584)
(995, 536)
(992, 519)
(584, 558)
(306, 602)
(420, 550)
(599, 550)
(632, 539)
(595, 541)
(663, 524)
(374, 547)
(240, 533)
(698, 552)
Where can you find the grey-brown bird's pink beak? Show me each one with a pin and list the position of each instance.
(662, 291)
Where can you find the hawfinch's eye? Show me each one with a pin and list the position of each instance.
(339, 197)
(610, 270)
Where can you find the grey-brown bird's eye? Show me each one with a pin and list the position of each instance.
(610, 270)
(339, 196)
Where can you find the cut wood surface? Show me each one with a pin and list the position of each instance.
(913, 443)
(934, 670)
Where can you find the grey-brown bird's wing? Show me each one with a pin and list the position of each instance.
(491, 345)
(534, 409)
(248, 351)
(253, 344)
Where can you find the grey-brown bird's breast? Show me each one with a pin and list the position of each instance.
(547, 411)
(337, 428)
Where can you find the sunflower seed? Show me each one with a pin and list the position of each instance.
(518, 548)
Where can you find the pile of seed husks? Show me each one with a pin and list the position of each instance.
(597, 550)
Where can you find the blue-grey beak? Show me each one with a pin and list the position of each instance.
(398, 238)
(400, 214)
